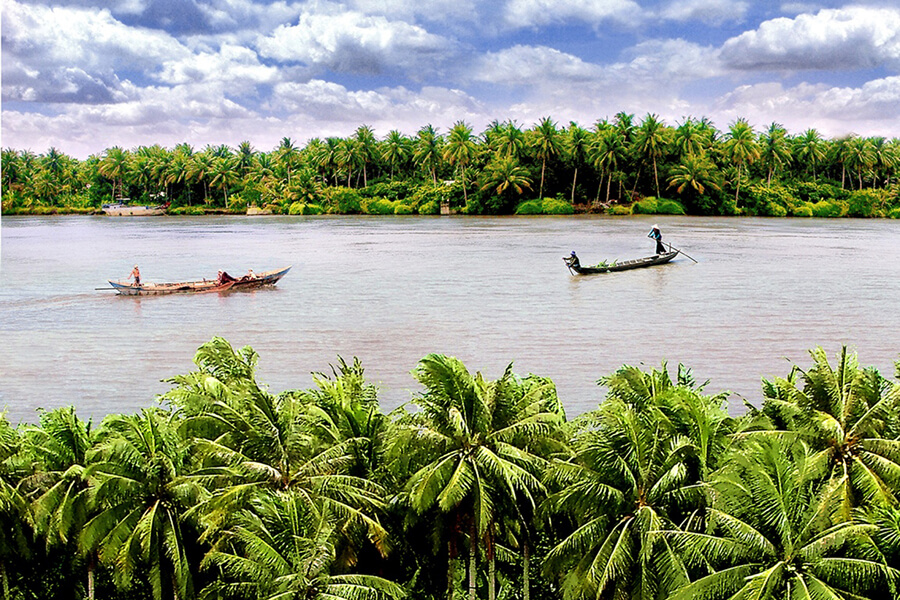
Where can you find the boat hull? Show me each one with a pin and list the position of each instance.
(638, 263)
(267, 278)
(125, 210)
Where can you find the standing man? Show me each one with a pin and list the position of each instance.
(656, 235)
(136, 273)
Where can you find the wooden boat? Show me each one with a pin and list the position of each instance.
(625, 265)
(204, 286)
(120, 209)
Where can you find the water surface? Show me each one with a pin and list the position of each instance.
(392, 289)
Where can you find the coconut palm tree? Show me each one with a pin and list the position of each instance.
(650, 141)
(607, 152)
(772, 534)
(138, 470)
(633, 474)
(427, 152)
(842, 413)
(282, 546)
(775, 150)
(741, 149)
(460, 151)
(473, 439)
(576, 142)
(15, 513)
(114, 165)
(254, 442)
(809, 149)
(505, 175)
(224, 174)
(365, 143)
(395, 150)
(288, 155)
(61, 445)
(547, 143)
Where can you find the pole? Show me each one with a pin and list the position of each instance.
(671, 247)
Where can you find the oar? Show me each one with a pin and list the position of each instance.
(671, 247)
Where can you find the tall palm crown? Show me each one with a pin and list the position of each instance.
(475, 441)
(138, 472)
(772, 534)
(633, 474)
(843, 413)
(547, 143)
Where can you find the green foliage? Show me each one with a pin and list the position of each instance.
(403, 209)
(530, 207)
(802, 210)
(768, 200)
(619, 209)
(378, 206)
(430, 207)
(894, 213)
(867, 203)
(302, 208)
(187, 210)
(829, 208)
(344, 201)
(657, 206)
(557, 206)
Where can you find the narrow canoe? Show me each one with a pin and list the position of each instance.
(625, 265)
(204, 286)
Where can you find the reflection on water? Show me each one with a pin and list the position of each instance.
(390, 290)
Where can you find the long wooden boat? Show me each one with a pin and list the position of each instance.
(625, 265)
(204, 286)
(120, 209)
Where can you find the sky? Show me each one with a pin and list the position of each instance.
(83, 76)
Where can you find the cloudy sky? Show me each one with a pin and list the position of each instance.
(85, 75)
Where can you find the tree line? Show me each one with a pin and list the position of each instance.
(691, 167)
(477, 488)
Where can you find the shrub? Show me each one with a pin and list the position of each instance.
(894, 213)
(432, 207)
(302, 208)
(619, 209)
(403, 209)
(344, 200)
(802, 210)
(530, 207)
(378, 206)
(665, 206)
(186, 210)
(866, 203)
(646, 206)
(827, 208)
(557, 206)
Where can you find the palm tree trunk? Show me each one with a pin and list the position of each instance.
(5, 580)
(465, 193)
(90, 574)
(574, 179)
(541, 191)
(656, 176)
(492, 565)
(526, 564)
(473, 548)
(451, 564)
(608, 183)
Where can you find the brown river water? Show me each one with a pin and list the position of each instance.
(389, 290)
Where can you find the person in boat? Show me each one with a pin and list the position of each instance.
(224, 278)
(657, 235)
(572, 260)
(136, 274)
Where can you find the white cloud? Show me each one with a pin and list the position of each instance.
(351, 42)
(238, 66)
(872, 109)
(449, 12)
(851, 38)
(73, 55)
(714, 12)
(532, 66)
(534, 13)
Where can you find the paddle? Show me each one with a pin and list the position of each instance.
(671, 247)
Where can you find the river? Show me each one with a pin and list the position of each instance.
(390, 290)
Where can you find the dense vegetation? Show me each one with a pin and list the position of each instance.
(478, 488)
(620, 166)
